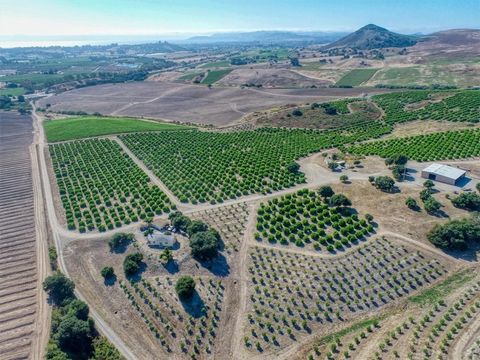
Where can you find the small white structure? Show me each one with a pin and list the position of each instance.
(161, 239)
(443, 173)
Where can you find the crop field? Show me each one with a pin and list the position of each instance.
(91, 126)
(18, 270)
(356, 77)
(12, 91)
(178, 331)
(223, 63)
(427, 105)
(101, 187)
(214, 75)
(186, 103)
(292, 295)
(305, 219)
(431, 147)
(207, 166)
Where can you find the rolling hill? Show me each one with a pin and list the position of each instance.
(373, 37)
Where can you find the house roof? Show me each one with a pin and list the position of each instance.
(159, 237)
(445, 170)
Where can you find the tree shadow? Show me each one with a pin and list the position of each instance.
(470, 254)
(110, 281)
(194, 306)
(217, 266)
(172, 267)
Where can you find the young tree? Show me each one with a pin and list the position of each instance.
(107, 272)
(431, 205)
(59, 288)
(185, 287)
(344, 178)
(428, 184)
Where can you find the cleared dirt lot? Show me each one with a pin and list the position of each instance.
(18, 269)
(187, 103)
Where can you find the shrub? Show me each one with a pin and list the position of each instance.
(297, 112)
(411, 203)
(456, 234)
(185, 287)
(344, 178)
(59, 288)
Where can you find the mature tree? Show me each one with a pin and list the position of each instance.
(166, 256)
(78, 309)
(478, 187)
(54, 352)
(431, 205)
(196, 226)
(297, 112)
(107, 272)
(179, 221)
(131, 263)
(468, 201)
(456, 234)
(293, 167)
(385, 183)
(204, 244)
(185, 287)
(338, 200)
(59, 288)
(294, 61)
(326, 191)
(74, 334)
(103, 350)
(425, 194)
(119, 241)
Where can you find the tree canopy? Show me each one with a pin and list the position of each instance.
(59, 288)
(205, 244)
(468, 201)
(385, 183)
(185, 287)
(456, 234)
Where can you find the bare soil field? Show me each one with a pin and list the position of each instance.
(18, 270)
(270, 78)
(187, 103)
(423, 127)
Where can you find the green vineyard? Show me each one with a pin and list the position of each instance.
(437, 146)
(101, 187)
(208, 166)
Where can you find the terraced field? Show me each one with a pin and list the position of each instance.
(18, 279)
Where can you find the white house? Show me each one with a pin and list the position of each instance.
(160, 239)
(443, 173)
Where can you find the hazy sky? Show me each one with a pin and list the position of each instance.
(140, 17)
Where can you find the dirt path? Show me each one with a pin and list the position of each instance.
(469, 335)
(153, 178)
(57, 230)
(42, 320)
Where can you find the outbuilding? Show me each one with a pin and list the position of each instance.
(443, 173)
(161, 239)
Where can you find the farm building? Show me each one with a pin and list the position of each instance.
(161, 239)
(443, 173)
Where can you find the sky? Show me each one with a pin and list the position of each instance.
(36, 19)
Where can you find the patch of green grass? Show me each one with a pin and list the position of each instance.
(356, 77)
(400, 76)
(224, 63)
(91, 126)
(215, 75)
(12, 91)
(348, 330)
(189, 76)
(444, 288)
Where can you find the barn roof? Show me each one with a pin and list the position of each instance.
(445, 170)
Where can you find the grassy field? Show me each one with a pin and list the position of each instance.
(215, 75)
(189, 76)
(90, 126)
(224, 63)
(12, 91)
(356, 77)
